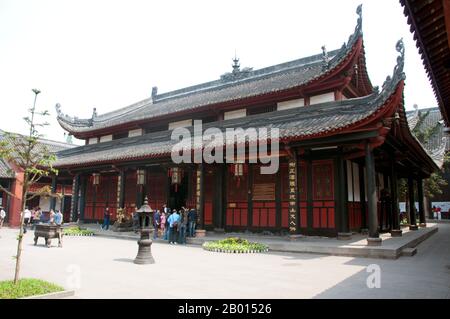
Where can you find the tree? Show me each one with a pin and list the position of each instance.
(31, 158)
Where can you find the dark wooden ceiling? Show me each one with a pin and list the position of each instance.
(430, 24)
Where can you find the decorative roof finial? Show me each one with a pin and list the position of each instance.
(94, 113)
(154, 92)
(58, 109)
(358, 28)
(236, 66)
(359, 11)
(325, 58)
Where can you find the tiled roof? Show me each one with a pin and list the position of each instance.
(5, 170)
(231, 87)
(51, 146)
(432, 117)
(304, 122)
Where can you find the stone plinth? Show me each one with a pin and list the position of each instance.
(374, 241)
(344, 236)
(396, 233)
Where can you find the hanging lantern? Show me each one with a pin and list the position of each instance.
(238, 170)
(95, 179)
(175, 174)
(140, 176)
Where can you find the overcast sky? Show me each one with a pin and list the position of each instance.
(108, 54)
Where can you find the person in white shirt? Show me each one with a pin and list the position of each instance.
(26, 219)
(2, 216)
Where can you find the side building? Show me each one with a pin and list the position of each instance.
(428, 126)
(343, 144)
(11, 179)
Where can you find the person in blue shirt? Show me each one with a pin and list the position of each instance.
(58, 218)
(174, 222)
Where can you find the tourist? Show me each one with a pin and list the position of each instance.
(43, 218)
(51, 218)
(192, 220)
(58, 218)
(166, 210)
(33, 213)
(37, 216)
(434, 212)
(26, 219)
(166, 233)
(438, 212)
(183, 226)
(162, 226)
(156, 223)
(174, 223)
(106, 217)
(2, 216)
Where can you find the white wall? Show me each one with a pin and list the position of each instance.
(286, 105)
(183, 123)
(93, 140)
(322, 98)
(106, 138)
(235, 114)
(136, 132)
(354, 192)
(44, 203)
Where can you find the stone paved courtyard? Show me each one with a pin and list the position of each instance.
(106, 270)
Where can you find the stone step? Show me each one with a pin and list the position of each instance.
(409, 251)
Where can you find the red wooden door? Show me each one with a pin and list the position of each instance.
(324, 204)
(263, 196)
(157, 184)
(237, 202)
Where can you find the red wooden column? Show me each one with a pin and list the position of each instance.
(200, 232)
(341, 193)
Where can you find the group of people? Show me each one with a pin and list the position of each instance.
(173, 225)
(37, 216)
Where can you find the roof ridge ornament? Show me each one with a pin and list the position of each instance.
(94, 116)
(325, 59)
(236, 66)
(358, 27)
(398, 75)
(236, 73)
(154, 93)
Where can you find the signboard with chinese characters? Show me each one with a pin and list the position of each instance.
(292, 167)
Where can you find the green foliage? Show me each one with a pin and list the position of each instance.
(26, 288)
(235, 244)
(433, 185)
(77, 231)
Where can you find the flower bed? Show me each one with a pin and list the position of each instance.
(26, 288)
(77, 231)
(235, 245)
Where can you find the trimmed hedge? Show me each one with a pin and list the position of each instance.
(235, 245)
